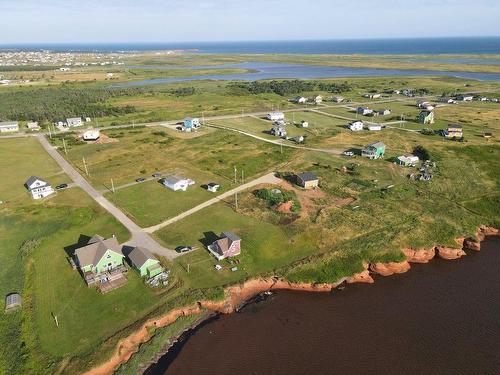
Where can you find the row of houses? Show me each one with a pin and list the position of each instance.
(318, 99)
(358, 125)
(365, 111)
(101, 262)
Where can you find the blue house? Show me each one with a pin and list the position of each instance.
(191, 124)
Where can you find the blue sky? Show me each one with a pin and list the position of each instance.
(39, 21)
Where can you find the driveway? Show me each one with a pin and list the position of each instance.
(269, 178)
(139, 236)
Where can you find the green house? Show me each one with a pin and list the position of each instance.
(145, 262)
(425, 117)
(99, 255)
(374, 150)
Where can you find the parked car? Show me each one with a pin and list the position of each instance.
(348, 154)
(141, 179)
(183, 249)
(61, 186)
(156, 175)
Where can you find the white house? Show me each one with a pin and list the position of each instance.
(407, 160)
(275, 116)
(9, 126)
(38, 187)
(213, 187)
(374, 127)
(304, 124)
(32, 125)
(88, 119)
(74, 121)
(91, 135)
(465, 97)
(318, 99)
(300, 100)
(337, 99)
(384, 112)
(176, 183)
(356, 126)
(191, 124)
(365, 111)
(278, 131)
(371, 96)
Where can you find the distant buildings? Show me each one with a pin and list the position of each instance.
(300, 100)
(91, 135)
(374, 150)
(454, 131)
(32, 125)
(365, 111)
(465, 97)
(38, 187)
(318, 99)
(74, 122)
(278, 131)
(9, 126)
(337, 99)
(372, 95)
(276, 116)
(176, 183)
(307, 180)
(407, 160)
(425, 117)
(384, 112)
(191, 124)
(356, 126)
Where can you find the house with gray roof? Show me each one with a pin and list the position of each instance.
(38, 187)
(100, 260)
(307, 180)
(145, 262)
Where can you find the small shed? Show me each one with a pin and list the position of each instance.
(307, 180)
(374, 150)
(12, 301)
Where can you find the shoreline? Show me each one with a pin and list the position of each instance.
(237, 296)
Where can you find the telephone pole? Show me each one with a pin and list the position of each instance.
(235, 181)
(112, 186)
(236, 200)
(242, 176)
(85, 165)
(65, 149)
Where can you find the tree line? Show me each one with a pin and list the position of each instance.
(287, 87)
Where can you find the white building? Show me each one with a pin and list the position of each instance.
(304, 124)
(9, 126)
(38, 187)
(32, 125)
(374, 127)
(91, 135)
(176, 183)
(300, 100)
(276, 116)
(278, 131)
(318, 99)
(356, 126)
(408, 160)
(74, 121)
(213, 187)
(337, 99)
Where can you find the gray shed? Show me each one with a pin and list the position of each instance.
(12, 301)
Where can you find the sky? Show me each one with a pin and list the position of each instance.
(91, 21)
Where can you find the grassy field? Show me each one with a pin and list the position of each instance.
(363, 211)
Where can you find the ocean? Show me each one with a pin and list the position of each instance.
(438, 318)
(431, 46)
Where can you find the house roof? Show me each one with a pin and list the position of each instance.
(8, 123)
(95, 249)
(454, 126)
(376, 145)
(307, 176)
(140, 255)
(33, 179)
(73, 119)
(233, 237)
(425, 113)
(173, 179)
(212, 184)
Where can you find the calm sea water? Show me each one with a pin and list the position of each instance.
(458, 45)
(266, 70)
(439, 318)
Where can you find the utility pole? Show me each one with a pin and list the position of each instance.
(203, 118)
(242, 176)
(65, 149)
(236, 200)
(235, 174)
(112, 186)
(56, 320)
(188, 267)
(133, 124)
(85, 165)
(50, 134)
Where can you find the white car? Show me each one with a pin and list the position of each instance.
(348, 153)
(218, 267)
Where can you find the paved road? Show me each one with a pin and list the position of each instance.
(269, 178)
(139, 236)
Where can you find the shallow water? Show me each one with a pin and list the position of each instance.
(439, 318)
(266, 70)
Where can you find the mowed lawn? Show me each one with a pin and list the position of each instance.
(265, 246)
(20, 159)
(151, 202)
